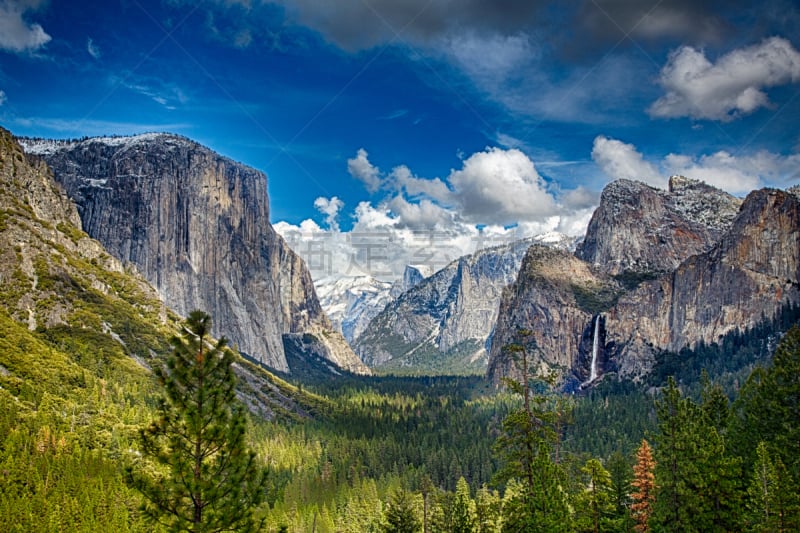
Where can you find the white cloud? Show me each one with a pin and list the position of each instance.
(736, 174)
(92, 48)
(330, 208)
(500, 187)
(732, 87)
(495, 198)
(403, 180)
(16, 34)
(619, 160)
(495, 186)
(3, 98)
(163, 93)
(360, 168)
(422, 214)
(489, 58)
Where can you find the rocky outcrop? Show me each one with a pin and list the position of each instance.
(196, 226)
(555, 298)
(51, 272)
(751, 273)
(442, 323)
(414, 274)
(643, 230)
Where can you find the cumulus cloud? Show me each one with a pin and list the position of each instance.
(360, 168)
(737, 174)
(17, 34)
(496, 197)
(500, 187)
(403, 180)
(619, 160)
(733, 86)
(495, 186)
(329, 207)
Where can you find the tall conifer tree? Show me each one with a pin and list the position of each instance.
(208, 480)
(645, 483)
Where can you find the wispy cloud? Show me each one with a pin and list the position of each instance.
(394, 115)
(78, 127)
(92, 48)
(166, 94)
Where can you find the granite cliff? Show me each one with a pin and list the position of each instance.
(196, 225)
(698, 273)
(441, 323)
(554, 297)
(749, 274)
(638, 229)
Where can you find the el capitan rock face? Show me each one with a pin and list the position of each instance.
(196, 225)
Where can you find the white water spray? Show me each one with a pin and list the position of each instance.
(595, 346)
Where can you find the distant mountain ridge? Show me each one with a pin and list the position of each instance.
(196, 226)
(441, 325)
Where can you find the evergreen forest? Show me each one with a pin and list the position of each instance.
(709, 443)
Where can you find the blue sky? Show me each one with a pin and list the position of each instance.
(467, 118)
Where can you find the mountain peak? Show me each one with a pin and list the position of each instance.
(638, 228)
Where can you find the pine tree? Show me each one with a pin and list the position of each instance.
(594, 504)
(463, 509)
(401, 517)
(644, 483)
(772, 498)
(621, 477)
(212, 481)
(487, 510)
(699, 485)
(526, 446)
(766, 409)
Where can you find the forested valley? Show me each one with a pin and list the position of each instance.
(702, 447)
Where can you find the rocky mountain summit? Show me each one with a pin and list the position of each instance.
(585, 317)
(195, 224)
(352, 301)
(638, 229)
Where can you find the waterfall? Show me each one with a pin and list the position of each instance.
(595, 346)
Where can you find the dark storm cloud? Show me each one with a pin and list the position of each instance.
(652, 19)
(358, 24)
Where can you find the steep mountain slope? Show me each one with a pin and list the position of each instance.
(749, 274)
(72, 314)
(638, 229)
(441, 325)
(196, 226)
(554, 297)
